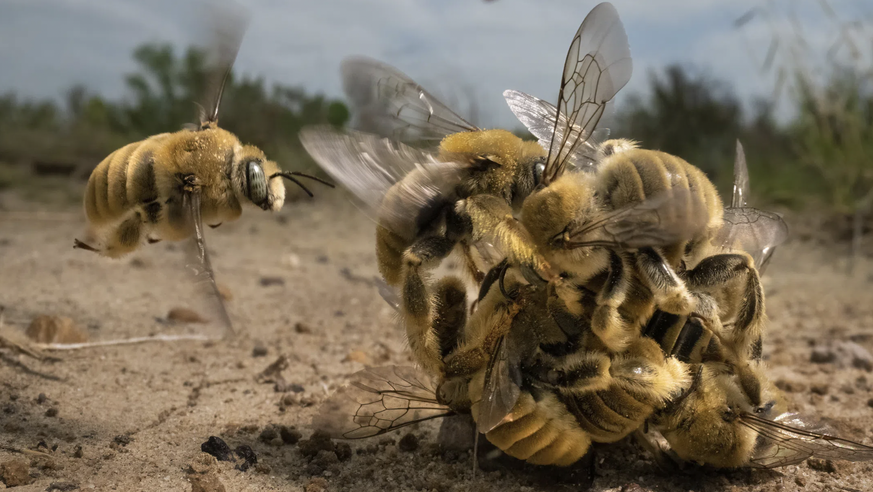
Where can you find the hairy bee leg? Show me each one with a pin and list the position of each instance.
(427, 250)
(491, 219)
(477, 275)
(433, 323)
(719, 273)
(564, 305)
(670, 292)
(614, 331)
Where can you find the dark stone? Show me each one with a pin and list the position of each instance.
(218, 448)
(408, 443)
(247, 454)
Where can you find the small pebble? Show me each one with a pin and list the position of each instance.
(185, 315)
(870, 403)
(408, 443)
(826, 466)
(343, 451)
(247, 454)
(290, 435)
(822, 356)
(268, 434)
(268, 281)
(296, 388)
(316, 484)
(206, 483)
(302, 328)
(41, 398)
(15, 472)
(218, 448)
(51, 412)
(819, 389)
(260, 350)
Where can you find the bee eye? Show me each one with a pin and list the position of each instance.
(257, 183)
(539, 169)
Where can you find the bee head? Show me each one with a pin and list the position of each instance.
(259, 180)
(252, 181)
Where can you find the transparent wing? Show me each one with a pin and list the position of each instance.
(741, 179)
(598, 65)
(228, 23)
(198, 261)
(369, 166)
(539, 118)
(669, 217)
(379, 400)
(389, 294)
(789, 439)
(387, 102)
(502, 388)
(754, 231)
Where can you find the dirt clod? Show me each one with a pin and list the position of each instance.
(318, 441)
(408, 443)
(343, 451)
(54, 329)
(185, 315)
(247, 454)
(290, 435)
(316, 484)
(78, 452)
(218, 448)
(41, 398)
(225, 292)
(51, 412)
(826, 466)
(62, 487)
(15, 472)
(268, 281)
(206, 483)
(357, 356)
(819, 389)
(822, 356)
(260, 350)
(268, 434)
(302, 328)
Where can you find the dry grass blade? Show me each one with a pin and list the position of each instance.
(126, 341)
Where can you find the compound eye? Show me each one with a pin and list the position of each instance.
(539, 169)
(257, 183)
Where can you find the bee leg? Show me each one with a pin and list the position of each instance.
(125, 238)
(87, 247)
(477, 275)
(434, 323)
(720, 275)
(669, 290)
(491, 220)
(426, 251)
(564, 304)
(613, 330)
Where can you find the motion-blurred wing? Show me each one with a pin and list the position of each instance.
(387, 102)
(669, 217)
(598, 65)
(198, 262)
(790, 439)
(369, 166)
(539, 118)
(228, 22)
(379, 400)
(741, 179)
(502, 388)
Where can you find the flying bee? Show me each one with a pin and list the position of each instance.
(168, 185)
(467, 191)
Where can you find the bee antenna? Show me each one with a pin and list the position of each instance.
(290, 176)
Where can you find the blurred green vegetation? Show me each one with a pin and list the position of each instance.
(821, 158)
(71, 139)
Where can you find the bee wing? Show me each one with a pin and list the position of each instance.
(754, 231)
(369, 165)
(387, 100)
(389, 294)
(668, 217)
(229, 22)
(789, 439)
(597, 66)
(379, 400)
(539, 118)
(198, 260)
(502, 388)
(741, 179)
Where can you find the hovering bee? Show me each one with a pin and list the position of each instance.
(426, 202)
(168, 185)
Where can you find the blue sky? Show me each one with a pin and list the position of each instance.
(457, 46)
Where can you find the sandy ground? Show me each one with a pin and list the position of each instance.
(133, 417)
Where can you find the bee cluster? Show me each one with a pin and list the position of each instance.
(618, 296)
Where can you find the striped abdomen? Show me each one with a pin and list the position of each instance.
(634, 175)
(124, 179)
